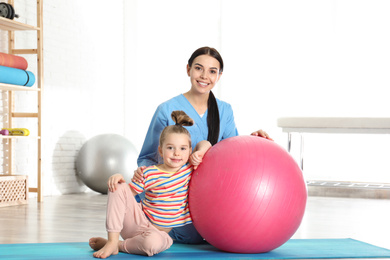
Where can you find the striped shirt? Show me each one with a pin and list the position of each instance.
(166, 196)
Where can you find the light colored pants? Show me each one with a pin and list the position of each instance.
(125, 216)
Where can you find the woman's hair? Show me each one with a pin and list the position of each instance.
(181, 119)
(213, 112)
(207, 51)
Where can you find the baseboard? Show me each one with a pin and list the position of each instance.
(349, 189)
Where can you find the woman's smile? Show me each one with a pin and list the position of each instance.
(203, 84)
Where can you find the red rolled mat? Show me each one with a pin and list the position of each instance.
(13, 61)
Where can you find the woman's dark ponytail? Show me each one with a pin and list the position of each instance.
(212, 106)
(213, 119)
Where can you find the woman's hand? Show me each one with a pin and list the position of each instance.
(196, 158)
(262, 133)
(138, 174)
(114, 180)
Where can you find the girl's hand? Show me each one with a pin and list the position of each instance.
(114, 180)
(262, 133)
(196, 158)
(138, 174)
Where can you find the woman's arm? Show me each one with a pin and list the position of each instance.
(228, 125)
(149, 155)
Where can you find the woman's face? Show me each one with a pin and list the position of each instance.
(204, 73)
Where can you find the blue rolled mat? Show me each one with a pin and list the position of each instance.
(16, 76)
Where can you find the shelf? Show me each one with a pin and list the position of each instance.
(19, 137)
(24, 115)
(11, 25)
(11, 87)
(24, 51)
(9, 140)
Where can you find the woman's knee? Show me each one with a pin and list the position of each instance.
(186, 235)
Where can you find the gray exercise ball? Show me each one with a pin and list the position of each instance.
(102, 156)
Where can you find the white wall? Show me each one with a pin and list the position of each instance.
(312, 58)
(83, 81)
(107, 72)
(159, 38)
(282, 58)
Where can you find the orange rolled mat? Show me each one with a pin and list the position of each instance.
(13, 61)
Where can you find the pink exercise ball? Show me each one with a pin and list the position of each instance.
(247, 196)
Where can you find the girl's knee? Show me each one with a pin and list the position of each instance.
(155, 242)
(148, 243)
(121, 187)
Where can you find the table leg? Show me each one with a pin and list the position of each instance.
(289, 148)
(301, 155)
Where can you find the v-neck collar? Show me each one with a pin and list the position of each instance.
(190, 106)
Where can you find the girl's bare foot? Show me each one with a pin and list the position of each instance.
(110, 248)
(97, 243)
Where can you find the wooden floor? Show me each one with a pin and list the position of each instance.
(77, 217)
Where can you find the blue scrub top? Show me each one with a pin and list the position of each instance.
(199, 131)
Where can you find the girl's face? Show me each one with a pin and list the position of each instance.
(204, 73)
(175, 151)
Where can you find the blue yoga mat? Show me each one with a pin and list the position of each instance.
(16, 76)
(293, 249)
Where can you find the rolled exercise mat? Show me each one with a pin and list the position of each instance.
(13, 61)
(16, 76)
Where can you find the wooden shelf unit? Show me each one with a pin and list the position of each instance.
(17, 88)
(11, 26)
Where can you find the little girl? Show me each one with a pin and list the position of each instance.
(145, 226)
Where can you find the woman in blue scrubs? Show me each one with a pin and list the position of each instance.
(214, 120)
